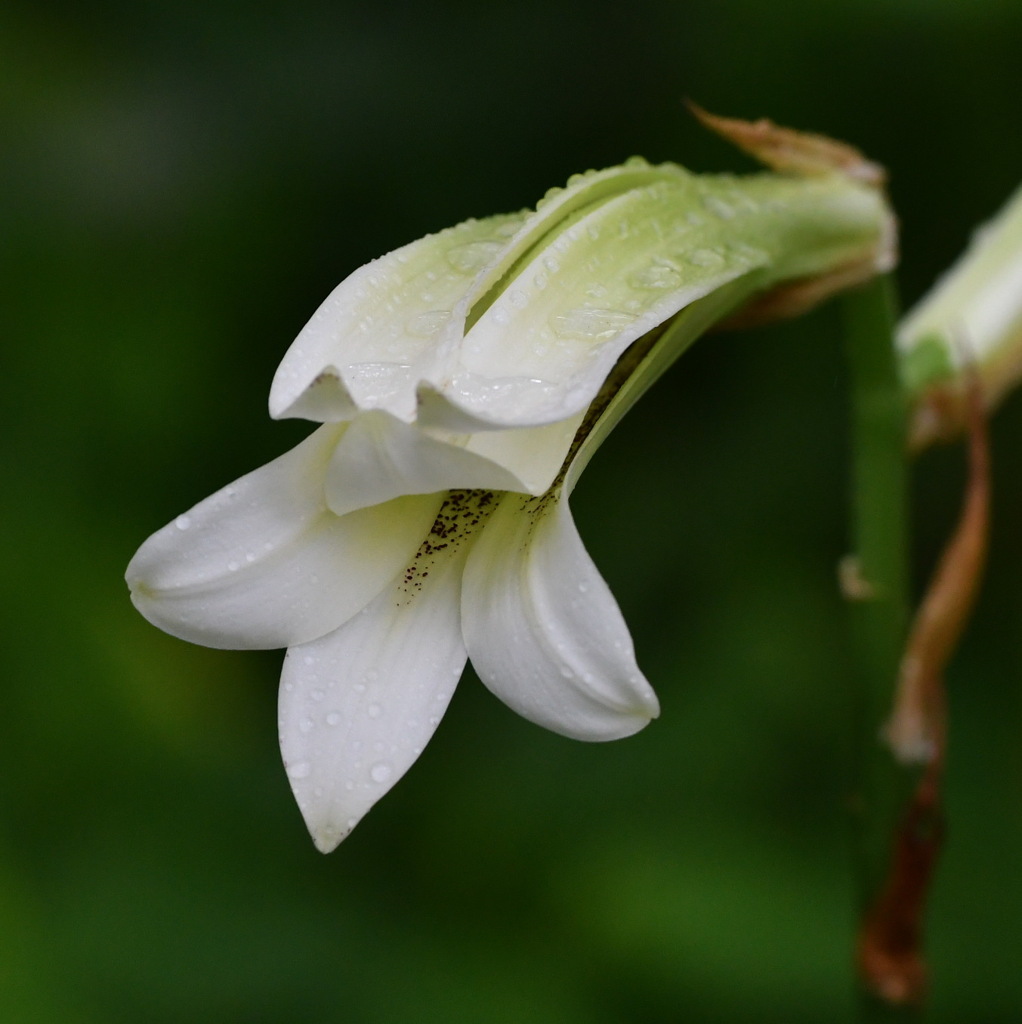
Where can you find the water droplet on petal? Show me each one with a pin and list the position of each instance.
(183, 522)
(472, 256)
(425, 325)
(657, 276)
(508, 229)
(380, 772)
(374, 711)
(705, 258)
(334, 718)
(718, 207)
(306, 724)
(590, 324)
(299, 770)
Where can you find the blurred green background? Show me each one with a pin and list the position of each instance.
(181, 183)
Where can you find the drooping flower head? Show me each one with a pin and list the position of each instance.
(462, 383)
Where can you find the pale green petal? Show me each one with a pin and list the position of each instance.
(358, 706)
(972, 316)
(542, 350)
(264, 563)
(400, 319)
(543, 630)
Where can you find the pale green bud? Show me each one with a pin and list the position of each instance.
(970, 321)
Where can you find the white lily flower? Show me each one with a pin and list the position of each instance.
(462, 383)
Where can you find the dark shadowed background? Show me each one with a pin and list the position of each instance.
(181, 183)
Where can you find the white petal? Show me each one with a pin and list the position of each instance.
(264, 562)
(380, 457)
(543, 630)
(358, 706)
(359, 348)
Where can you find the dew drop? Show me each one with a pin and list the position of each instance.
(718, 207)
(472, 256)
(232, 566)
(334, 718)
(508, 229)
(317, 694)
(374, 711)
(425, 325)
(380, 772)
(299, 770)
(306, 724)
(183, 522)
(705, 258)
(590, 324)
(657, 277)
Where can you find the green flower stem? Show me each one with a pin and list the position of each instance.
(875, 580)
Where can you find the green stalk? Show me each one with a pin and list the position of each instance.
(876, 582)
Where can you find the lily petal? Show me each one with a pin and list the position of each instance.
(359, 348)
(540, 352)
(380, 457)
(543, 630)
(264, 563)
(400, 319)
(358, 705)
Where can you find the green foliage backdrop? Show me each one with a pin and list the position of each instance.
(180, 185)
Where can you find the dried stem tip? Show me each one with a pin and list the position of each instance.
(793, 152)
